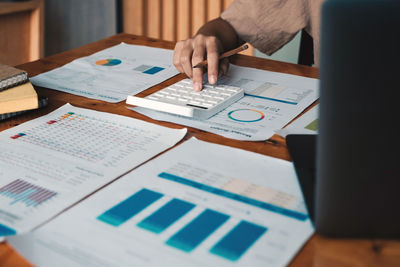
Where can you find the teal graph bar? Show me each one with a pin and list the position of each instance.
(6, 231)
(166, 215)
(128, 208)
(234, 244)
(190, 236)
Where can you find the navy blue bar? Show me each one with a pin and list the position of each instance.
(190, 236)
(128, 208)
(166, 215)
(234, 244)
(153, 70)
(6, 231)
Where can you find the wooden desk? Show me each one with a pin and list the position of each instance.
(318, 251)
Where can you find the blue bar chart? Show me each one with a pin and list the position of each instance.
(166, 215)
(189, 237)
(128, 208)
(153, 70)
(6, 231)
(233, 245)
(20, 191)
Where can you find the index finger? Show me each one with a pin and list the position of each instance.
(198, 56)
(213, 62)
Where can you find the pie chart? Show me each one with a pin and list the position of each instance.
(108, 62)
(246, 115)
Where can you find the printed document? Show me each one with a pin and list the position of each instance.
(199, 204)
(272, 100)
(306, 124)
(111, 74)
(51, 162)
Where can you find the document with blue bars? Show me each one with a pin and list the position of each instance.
(200, 204)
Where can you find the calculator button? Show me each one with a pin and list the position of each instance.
(206, 104)
(206, 95)
(186, 81)
(226, 94)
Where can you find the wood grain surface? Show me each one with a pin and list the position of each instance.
(318, 251)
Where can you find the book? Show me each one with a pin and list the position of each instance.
(42, 102)
(10, 77)
(18, 98)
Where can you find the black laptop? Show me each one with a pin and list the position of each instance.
(350, 174)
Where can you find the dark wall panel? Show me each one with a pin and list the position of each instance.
(73, 23)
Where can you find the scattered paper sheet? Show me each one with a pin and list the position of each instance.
(49, 163)
(271, 101)
(306, 124)
(199, 204)
(111, 74)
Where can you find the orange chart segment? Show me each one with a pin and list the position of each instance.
(108, 62)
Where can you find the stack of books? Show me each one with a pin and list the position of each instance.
(17, 94)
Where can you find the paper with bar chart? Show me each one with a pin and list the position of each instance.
(111, 74)
(188, 207)
(272, 100)
(50, 163)
(306, 124)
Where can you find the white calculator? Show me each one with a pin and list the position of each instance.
(180, 99)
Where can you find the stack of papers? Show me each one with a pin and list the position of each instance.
(50, 163)
(272, 100)
(111, 74)
(188, 207)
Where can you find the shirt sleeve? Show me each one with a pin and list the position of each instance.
(267, 24)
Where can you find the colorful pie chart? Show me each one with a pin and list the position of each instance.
(246, 115)
(108, 62)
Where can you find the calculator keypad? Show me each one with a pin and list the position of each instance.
(182, 93)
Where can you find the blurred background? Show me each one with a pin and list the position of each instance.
(31, 29)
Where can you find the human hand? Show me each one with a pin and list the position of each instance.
(188, 53)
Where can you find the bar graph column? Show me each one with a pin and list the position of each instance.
(189, 237)
(166, 215)
(234, 244)
(23, 192)
(128, 208)
(6, 231)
